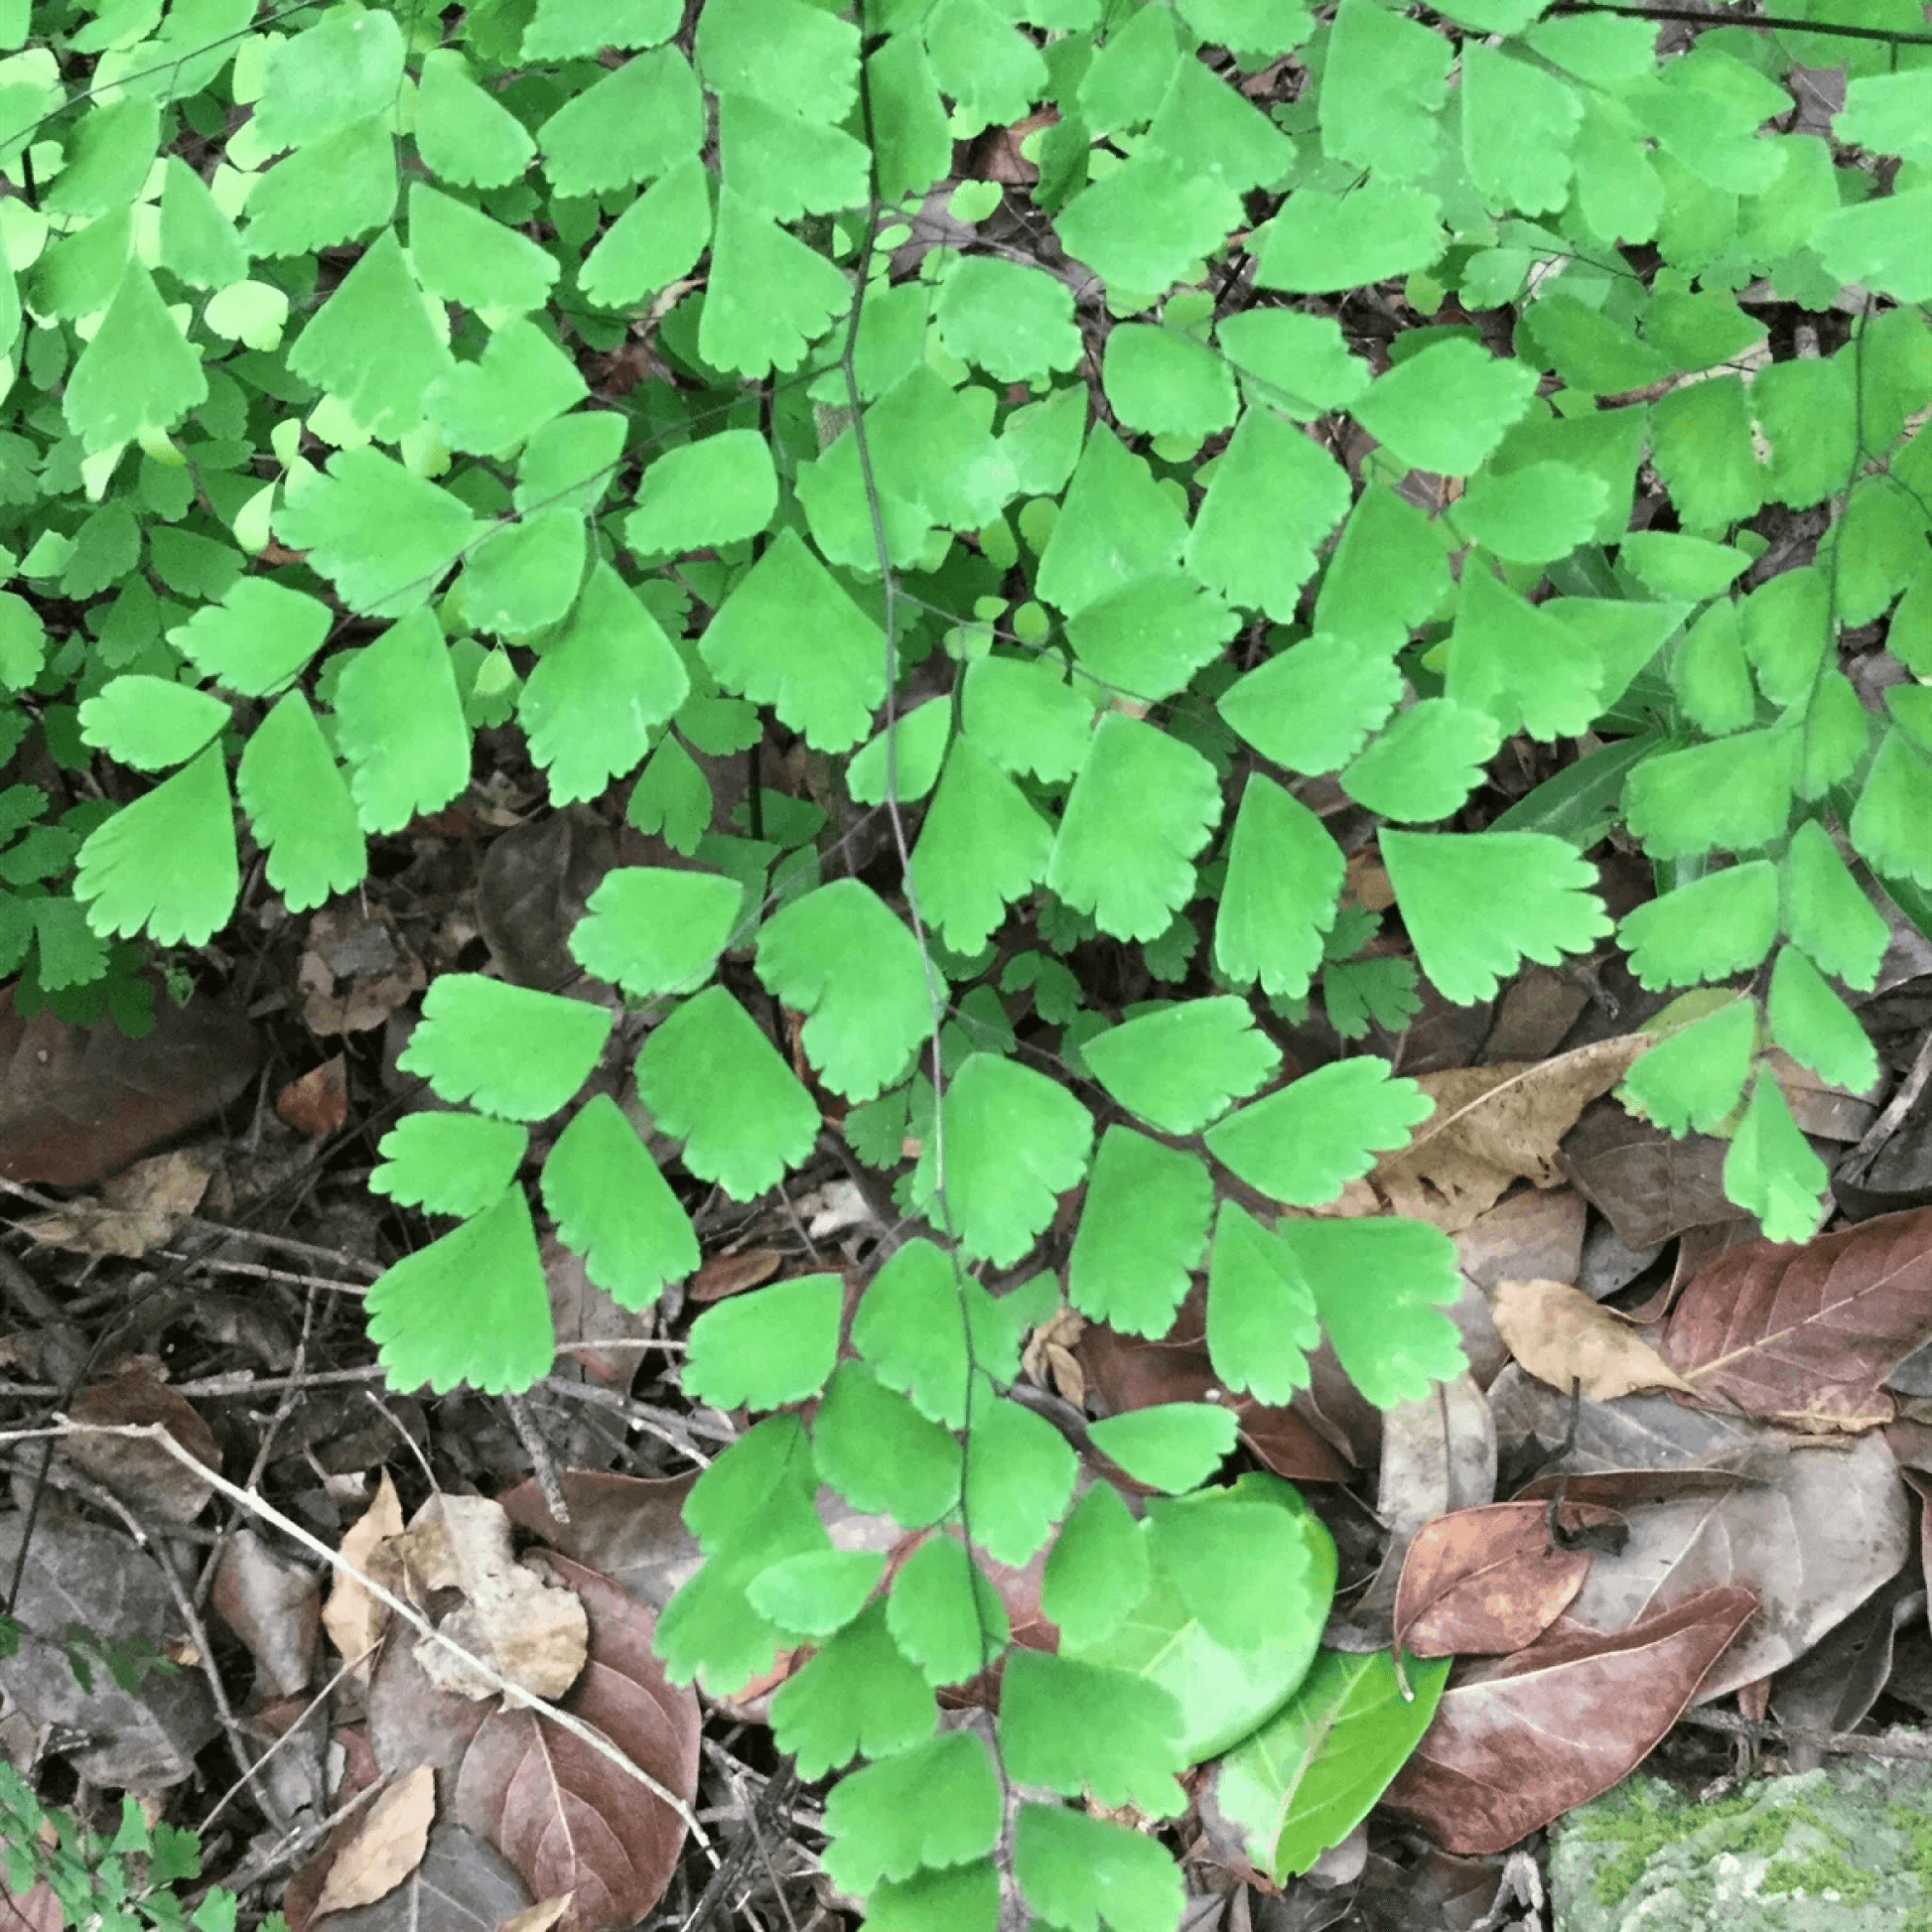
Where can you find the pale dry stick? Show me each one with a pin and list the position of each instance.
(517, 1695)
(1852, 1743)
(292, 1730)
(542, 1466)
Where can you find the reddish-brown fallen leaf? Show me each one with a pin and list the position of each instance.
(77, 1102)
(144, 1472)
(1522, 1739)
(725, 1275)
(566, 1817)
(1647, 1183)
(1807, 1334)
(1128, 1372)
(1485, 1582)
(317, 1104)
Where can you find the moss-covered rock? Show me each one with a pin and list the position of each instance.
(1848, 1848)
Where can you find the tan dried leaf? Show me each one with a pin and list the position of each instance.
(139, 1210)
(1559, 1335)
(352, 1617)
(1494, 1125)
(385, 1847)
(539, 1917)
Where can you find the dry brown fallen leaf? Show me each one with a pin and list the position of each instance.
(1486, 1581)
(136, 1391)
(1519, 1740)
(1806, 1336)
(385, 1847)
(1561, 1337)
(139, 1210)
(352, 1617)
(317, 1103)
(1494, 1125)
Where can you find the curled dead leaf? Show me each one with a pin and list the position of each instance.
(1561, 1336)
(354, 1619)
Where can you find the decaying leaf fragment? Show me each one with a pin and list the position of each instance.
(385, 1846)
(533, 1631)
(1494, 1125)
(138, 1209)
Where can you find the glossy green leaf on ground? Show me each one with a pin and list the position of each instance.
(1164, 383)
(299, 807)
(1097, 1570)
(913, 1333)
(653, 930)
(612, 1207)
(449, 1162)
(1073, 1726)
(1079, 1872)
(1700, 445)
(1020, 1473)
(1379, 1286)
(1532, 515)
(1519, 123)
(917, 742)
(935, 1805)
(1009, 320)
(525, 575)
(1322, 242)
(1275, 496)
(859, 1694)
(1815, 1026)
(1174, 1446)
(1235, 1561)
(1693, 1078)
(1425, 762)
(880, 1455)
(508, 1049)
(815, 1595)
(522, 381)
(1826, 913)
(137, 374)
(729, 1504)
(1707, 929)
(1770, 1170)
(944, 1612)
(565, 30)
(1181, 1066)
(1445, 408)
(783, 52)
(1224, 1694)
(711, 1079)
(198, 241)
(606, 684)
(384, 537)
(721, 489)
(769, 295)
(655, 241)
(472, 1306)
(1304, 1142)
(322, 78)
(1024, 715)
(373, 343)
(788, 636)
(1014, 1141)
(1731, 792)
(1261, 1318)
(1382, 92)
(1143, 803)
(1142, 1227)
(1116, 524)
(256, 638)
(1710, 674)
(1311, 707)
(1512, 660)
(1147, 641)
(166, 863)
(1295, 362)
(151, 723)
(332, 192)
(1388, 574)
(1148, 223)
(767, 1348)
(843, 958)
(960, 1898)
(635, 123)
(1313, 1773)
(785, 165)
(1888, 823)
(462, 255)
(1476, 903)
(1284, 883)
(399, 725)
(464, 132)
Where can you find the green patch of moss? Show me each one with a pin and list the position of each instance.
(1824, 1873)
(1648, 1825)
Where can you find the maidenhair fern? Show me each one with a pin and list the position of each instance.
(1049, 555)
